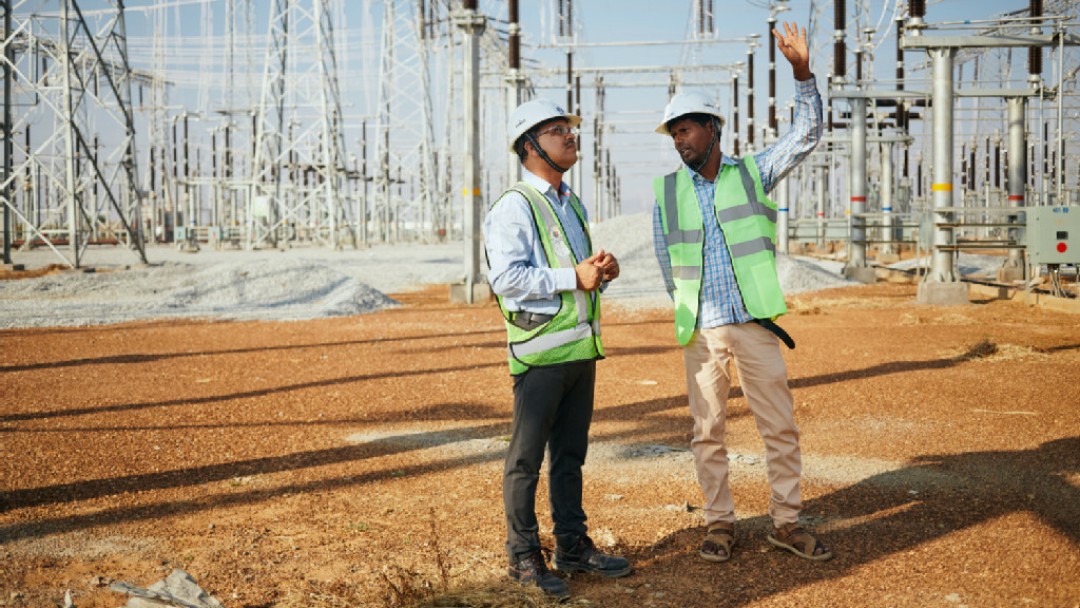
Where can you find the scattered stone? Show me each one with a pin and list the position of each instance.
(178, 589)
(653, 450)
(604, 537)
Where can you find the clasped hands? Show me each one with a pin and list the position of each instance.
(593, 271)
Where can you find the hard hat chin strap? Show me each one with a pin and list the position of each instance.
(544, 155)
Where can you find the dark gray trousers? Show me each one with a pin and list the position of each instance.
(552, 409)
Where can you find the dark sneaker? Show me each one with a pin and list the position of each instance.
(579, 554)
(533, 570)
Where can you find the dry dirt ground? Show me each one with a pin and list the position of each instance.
(324, 463)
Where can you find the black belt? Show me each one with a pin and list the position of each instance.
(776, 329)
(529, 320)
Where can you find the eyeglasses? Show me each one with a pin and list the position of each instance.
(559, 131)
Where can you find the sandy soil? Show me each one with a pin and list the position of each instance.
(307, 463)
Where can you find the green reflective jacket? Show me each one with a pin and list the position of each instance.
(573, 334)
(748, 220)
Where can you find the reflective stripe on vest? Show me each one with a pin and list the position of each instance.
(554, 340)
(573, 334)
(676, 235)
(563, 254)
(749, 227)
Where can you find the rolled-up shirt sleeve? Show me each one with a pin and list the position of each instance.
(807, 127)
(510, 239)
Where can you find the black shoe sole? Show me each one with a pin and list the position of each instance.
(561, 597)
(571, 568)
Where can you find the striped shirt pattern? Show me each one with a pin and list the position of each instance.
(720, 300)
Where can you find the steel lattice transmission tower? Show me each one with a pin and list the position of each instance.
(405, 148)
(71, 80)
(298, 167)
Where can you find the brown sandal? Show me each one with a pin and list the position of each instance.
(792, 537)
(719, 538)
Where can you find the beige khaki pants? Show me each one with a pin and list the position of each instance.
(763, 377)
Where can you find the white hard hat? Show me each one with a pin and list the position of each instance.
(688, 103)
(532, 113)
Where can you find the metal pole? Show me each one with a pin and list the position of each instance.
(750, 97)
(175, 182)
(1016, 182)
(188, 198)
(70, 136)
(472, 24)
(735, 117)
(942, 186)
(773, 125)
(598, 143)
(9, 58)
(1059, 166)
(363, 215)
(330, 160)
(857, 188)
(821, 178)
(782, 201)
(579, 171)
(230, 199)
(515, 79)
(886, 188)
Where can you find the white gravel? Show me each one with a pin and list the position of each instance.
(303, 283)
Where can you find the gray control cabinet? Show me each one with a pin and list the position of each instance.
(1053, 235)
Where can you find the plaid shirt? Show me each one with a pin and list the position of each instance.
(720, 300)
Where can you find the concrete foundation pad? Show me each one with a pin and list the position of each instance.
(862, 274)
(481, 293)
(942, 294)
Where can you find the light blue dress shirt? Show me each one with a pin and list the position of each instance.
(515, 253)
(720, 300)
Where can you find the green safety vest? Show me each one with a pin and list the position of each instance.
(748, 220)
(573, 334)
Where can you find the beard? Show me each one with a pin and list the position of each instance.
(690, 157)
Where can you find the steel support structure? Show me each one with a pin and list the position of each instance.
(472, 24)
(299, 190)
(408, 201)
(73, 71)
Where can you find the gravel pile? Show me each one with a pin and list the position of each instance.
(308, 283)
(280, 290)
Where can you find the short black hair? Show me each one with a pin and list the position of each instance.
(519, 145)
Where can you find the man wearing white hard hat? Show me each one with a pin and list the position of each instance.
(715, 232)
(547, 281)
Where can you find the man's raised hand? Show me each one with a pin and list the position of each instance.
(793, 45)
